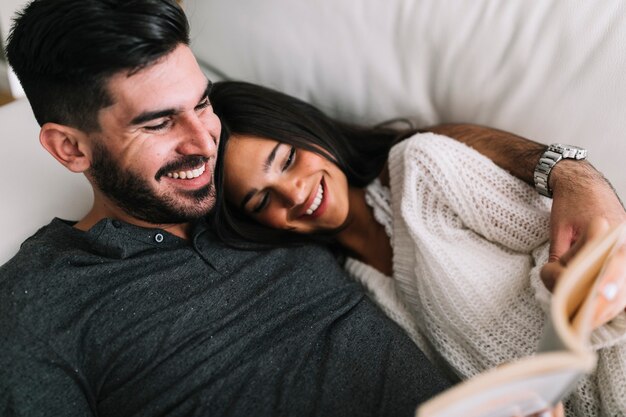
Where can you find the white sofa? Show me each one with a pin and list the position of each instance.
(551, 70)
(35, 187)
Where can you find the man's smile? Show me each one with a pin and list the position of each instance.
(188, 174)
(187, 168)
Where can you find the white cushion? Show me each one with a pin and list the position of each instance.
(549, 70)
(35, 188)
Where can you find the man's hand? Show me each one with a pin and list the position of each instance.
(584, 206)
(611, 295)
(580, 194)
(553, 269)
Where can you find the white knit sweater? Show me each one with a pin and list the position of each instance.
(469, 240)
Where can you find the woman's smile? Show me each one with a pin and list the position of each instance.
(318, 205)
(284, 187)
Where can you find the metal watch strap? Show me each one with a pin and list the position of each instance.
(555, 153)
(542, 171)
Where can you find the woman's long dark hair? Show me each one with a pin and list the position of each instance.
(248, 109)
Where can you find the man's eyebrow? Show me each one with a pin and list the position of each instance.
(266, 167)
(151, 115)
(207, 90)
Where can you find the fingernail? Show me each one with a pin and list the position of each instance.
(610, 291)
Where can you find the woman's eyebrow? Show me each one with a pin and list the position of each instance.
(270, 158)
(266, 167)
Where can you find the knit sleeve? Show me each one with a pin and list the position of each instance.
(463, 241)
(610, 334)
(382, 290)
(486, 199)
(469, 240)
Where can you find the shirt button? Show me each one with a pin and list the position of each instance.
(158, 237)
(116, 223)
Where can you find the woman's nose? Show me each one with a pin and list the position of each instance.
(293, 192)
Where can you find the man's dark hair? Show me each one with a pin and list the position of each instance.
(64, 51)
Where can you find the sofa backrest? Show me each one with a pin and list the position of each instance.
(35, 188)
(549, 70)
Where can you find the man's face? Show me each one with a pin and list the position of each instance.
(155, 153)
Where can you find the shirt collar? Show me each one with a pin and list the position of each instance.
(118, 239)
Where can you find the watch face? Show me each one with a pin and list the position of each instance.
(569, 151)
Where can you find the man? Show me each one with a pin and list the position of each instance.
(136, 309)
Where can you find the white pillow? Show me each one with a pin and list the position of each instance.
(550, 70)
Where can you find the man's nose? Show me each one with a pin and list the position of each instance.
(198, 137)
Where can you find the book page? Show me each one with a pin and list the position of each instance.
(520, 388)
(539, 382)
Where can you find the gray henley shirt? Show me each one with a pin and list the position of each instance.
(127, 321)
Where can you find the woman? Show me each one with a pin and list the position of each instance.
(450, 250)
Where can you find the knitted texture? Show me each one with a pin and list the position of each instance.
(469, 241)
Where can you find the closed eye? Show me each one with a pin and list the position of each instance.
(161, 126)
(262, 204)
(203, 104)
(168, 122)
(290, 158)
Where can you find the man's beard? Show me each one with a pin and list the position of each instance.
(134, 195)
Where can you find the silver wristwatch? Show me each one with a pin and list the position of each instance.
(549, 159)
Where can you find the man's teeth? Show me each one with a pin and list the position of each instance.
(317, 201)
(189, 174)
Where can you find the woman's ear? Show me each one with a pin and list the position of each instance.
(68, 145)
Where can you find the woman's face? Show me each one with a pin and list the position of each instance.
(284, 187)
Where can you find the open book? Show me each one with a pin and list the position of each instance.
(539, 382)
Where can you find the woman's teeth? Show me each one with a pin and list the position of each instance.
(317, 201)
(190, 174)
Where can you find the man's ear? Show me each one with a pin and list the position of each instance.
(68, 145)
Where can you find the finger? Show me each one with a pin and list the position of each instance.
(561, 239)
(596, 228)
(611, 311)
(550, 273)
(552, 270)
(557, 411)
(545, 413)
(612, 286)
(607, 309)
